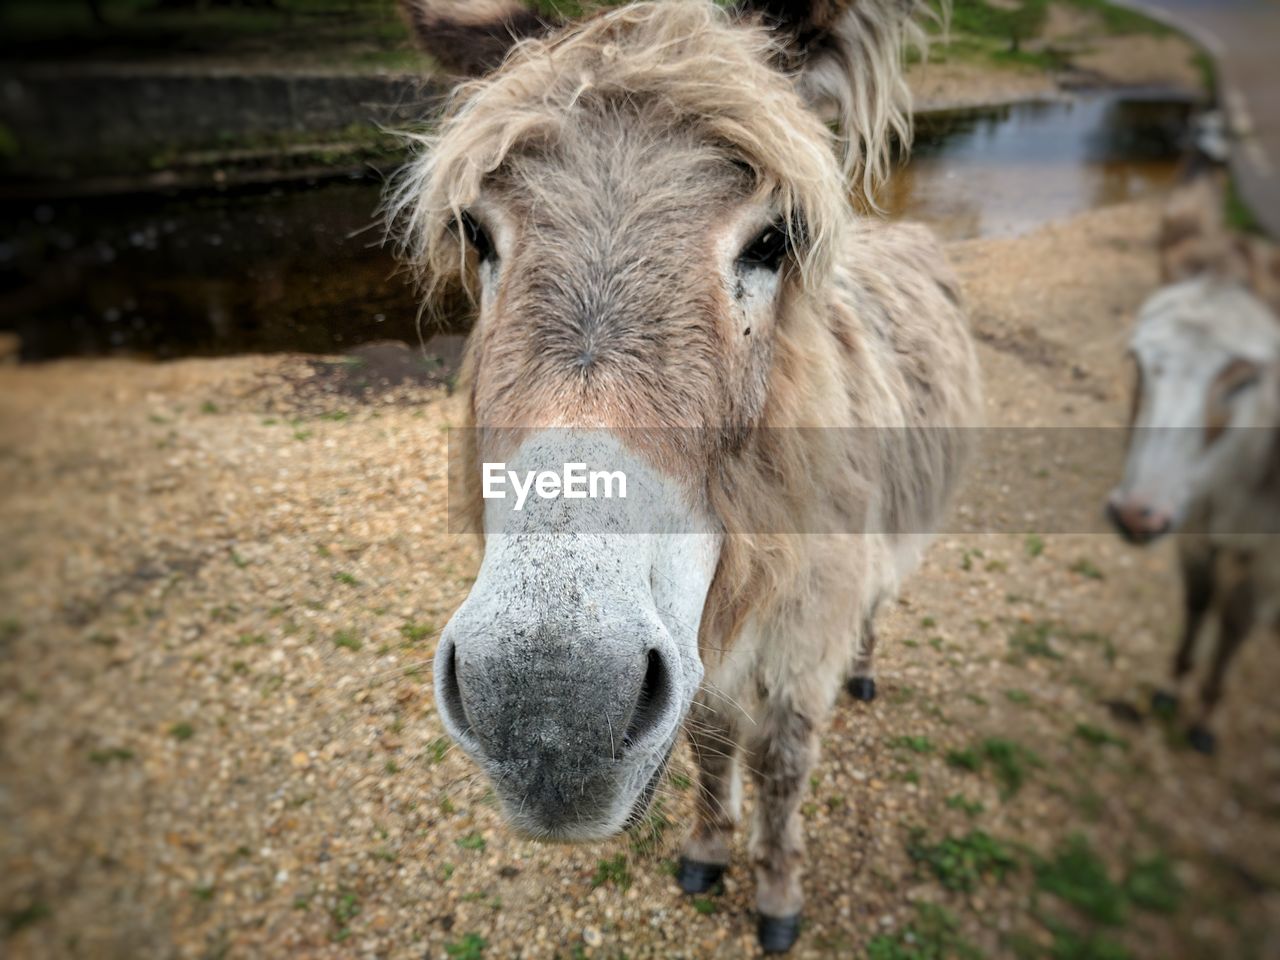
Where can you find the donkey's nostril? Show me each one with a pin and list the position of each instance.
(450, 696)
(651, 704)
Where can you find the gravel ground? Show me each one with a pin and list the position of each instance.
(222, 586)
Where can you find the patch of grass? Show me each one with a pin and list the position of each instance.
(1069, 944)
(704, 905)
(1097, 737)
(1011, 761)
(1120, 20)
(435, 750)
(1077, 875)
(916, 744)
(335, 415)
(1086, 568)
(933, 935)
(613, 872)
(1152, 884)
(23, 917)
(680, 781)
(182, 731)
(958, 801)
(110, 754)
(646, 837)
(472, 841)
(347, 639)
(251, 640)
(960, 863)
(1236, 212)
(469, 947)
(416, 632)
(1020, 697)
(203, 892)
(346, 578)
(208, 407)
(1033, 640)
(1034, 545)
(345, 909)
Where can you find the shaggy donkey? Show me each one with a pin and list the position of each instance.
(1204, 446)
(654, 223)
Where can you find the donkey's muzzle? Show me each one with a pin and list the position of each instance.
(572, 733)
(1137, 521)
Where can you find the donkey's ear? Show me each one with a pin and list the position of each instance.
(471, 37)
(847, 56)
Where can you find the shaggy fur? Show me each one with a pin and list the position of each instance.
(825, 437)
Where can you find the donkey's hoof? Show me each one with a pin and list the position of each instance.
(862, 688)
(777, 934)
(694, 876)
(1202, 740)
(1164, 703)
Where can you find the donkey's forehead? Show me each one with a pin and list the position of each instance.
(1202, 320)
(604, 160)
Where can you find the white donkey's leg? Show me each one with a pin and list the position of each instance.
(862, 681)
(714, 741)
(781, 752)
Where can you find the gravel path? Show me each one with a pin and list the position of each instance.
(222, 586)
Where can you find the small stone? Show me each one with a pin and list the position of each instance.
(301, 761)
(592, 937)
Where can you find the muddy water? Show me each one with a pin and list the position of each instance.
(1006, 171)
(300, 267)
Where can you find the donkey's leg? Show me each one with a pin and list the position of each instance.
(1197, 564)
(781, 752)
(706, 851)
(1236, 616)
(862, 682)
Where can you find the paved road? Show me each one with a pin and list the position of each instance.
(1243, 37)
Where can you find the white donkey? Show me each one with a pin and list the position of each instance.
(653, 219)
(1204, 447)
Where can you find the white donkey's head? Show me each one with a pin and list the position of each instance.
(644, 210)
(1206, 403)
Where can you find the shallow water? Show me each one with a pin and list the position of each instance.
(300, 267)
(1007, 171)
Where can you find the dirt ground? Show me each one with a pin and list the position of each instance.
(222, 586)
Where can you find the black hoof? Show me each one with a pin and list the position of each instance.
(777, 934)
(694, 876)
(862, 688)
(1164, 703)
(1202, 740)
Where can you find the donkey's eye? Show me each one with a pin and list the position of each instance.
(1239, 376)
(768, 248)
(476, 237)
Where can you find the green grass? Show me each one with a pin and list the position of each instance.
(345, 909)
(960, 802)
(346, 578)
(182, 731)
(1097, 737)
(472, 841)
(1078, 876)
(469, 947)
(612, 871)
(109, 755)
(960, 863)
(1010, 761)
(1087, 568)
(1152, 884)
(347, 639)
(916, 744)
(933, 935)
(416, 632)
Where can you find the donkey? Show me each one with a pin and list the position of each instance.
(1204, 446)
(654, 224)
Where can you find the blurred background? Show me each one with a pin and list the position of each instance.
(226, 554)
